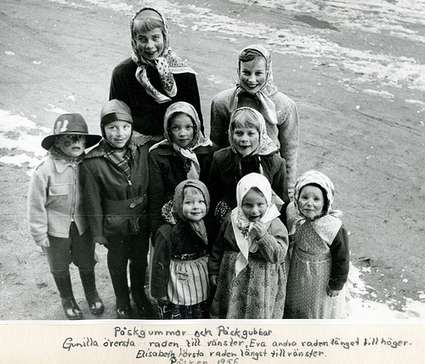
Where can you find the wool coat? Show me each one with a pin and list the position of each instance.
(148, 115)
(225, 174)
(115, 205)
(285, 134)
(54, 199)
(167, 169)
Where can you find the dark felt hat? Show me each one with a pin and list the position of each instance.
(70, 124)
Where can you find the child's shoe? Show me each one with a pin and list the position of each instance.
(71, 309)
(96, 306)
(123, 312)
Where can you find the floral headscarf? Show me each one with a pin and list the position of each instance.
(265, 145)
(268, 88)
(240, 223)
(197, 141)
(166, 64)
(198, 227)
(329, 223)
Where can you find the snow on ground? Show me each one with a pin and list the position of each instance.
(366, 66)
(21, 138)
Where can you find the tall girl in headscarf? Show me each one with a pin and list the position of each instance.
(154, 76)
(250, 150)
(179, 268)
(185, 153)
(320, 259)
(248, 261)
(255, 88)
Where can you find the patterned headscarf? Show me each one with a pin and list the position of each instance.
(265, 145)
(197, 141)
(241, 224)
(268, 88)
(329, 223)
(166, 64)
(198, 227)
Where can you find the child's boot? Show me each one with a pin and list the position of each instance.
(96, 306)
(119, 282)
(70, 307)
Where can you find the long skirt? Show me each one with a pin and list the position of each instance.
(258, 292)
(306, 296)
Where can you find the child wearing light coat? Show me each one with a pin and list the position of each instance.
(55, 212)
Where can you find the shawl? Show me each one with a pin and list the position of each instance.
(327, 225)
(198, 140)
(240, 223)
(199, 226)
(268, 88)
(167, 64)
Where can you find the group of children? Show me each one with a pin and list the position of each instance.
(212, 215)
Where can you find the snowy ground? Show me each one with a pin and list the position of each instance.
(355, 69)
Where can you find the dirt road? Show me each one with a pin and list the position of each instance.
(363, 134)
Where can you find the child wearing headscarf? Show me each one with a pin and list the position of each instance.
(179, 269)
(55, 212)
(154, 76)
(249, 261)
(114, 179)
(255, 88)
(320, 258)
(250, 150)
(185, 153)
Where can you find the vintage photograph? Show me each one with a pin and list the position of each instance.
(227, 159)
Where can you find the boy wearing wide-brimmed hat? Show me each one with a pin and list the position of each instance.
(56, 219)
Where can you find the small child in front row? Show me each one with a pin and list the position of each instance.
(320, 258)
(55, 212)
(249, 262)
(179, 268)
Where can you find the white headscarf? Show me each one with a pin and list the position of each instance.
(327, 225)
(240, 223)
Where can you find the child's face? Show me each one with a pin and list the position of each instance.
(311, 202)
(118, 133)
(71, 145)
(181, 130)
(150, 44)
(194, 206)
(245, 140)
(252, 74)
(254, 205)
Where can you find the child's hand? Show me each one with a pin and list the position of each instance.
(163, 300)
(44, 243)
(258, 230)
(332, 292)
(213, 280)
